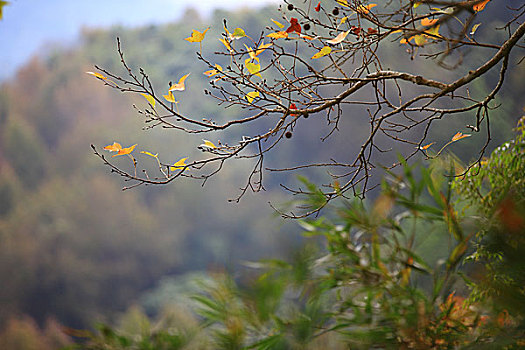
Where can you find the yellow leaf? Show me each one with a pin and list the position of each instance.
(227, 44)
(343, 20)
(169, 97)
(237, 34)
(342, 2)
(323, 52)
(339, 38)
(115, 147)
(126, 150)
(254, 68)
(150, 99)
(364, 9)
(212, 72)
(426, 146)
(433, 31)
(207, 144)
(278, 35)
(474, 28)
(261, 48)
(278, 24)
(459, 136)
(420, 40)
(480, 5)
(180, 85)
(180, 164)
(150, 154)
(250, 52)
(250, 96)
(196, 36)
(98, 75)
(416, 5)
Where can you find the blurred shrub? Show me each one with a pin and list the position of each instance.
(24, 334)
(368, 280)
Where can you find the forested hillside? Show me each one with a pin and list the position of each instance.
(73, 246)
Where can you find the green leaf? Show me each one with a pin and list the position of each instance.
(237, 34)
(254, 68)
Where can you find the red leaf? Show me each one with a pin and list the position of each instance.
(294, 26)
(318, 7)
(293, 106)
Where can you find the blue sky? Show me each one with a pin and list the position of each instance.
(29, 25)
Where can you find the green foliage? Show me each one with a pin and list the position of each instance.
(496, 188)
(367, 287)
(24, 152)
(369, 279)
(487, 183)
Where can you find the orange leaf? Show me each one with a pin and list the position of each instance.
(459, 136)
(480, 5)
(428, 22)
(115, 147)
(307, 37)
(426, 146)
(126, 150)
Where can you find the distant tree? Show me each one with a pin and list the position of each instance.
(2, 4)
(317, 59)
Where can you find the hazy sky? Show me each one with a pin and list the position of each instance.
(29, 24)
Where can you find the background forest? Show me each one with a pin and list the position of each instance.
(75, 249)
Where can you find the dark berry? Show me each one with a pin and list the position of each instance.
(335, 11)
(288, 134)
(305, 115)
(290, 7)
(306, 26)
